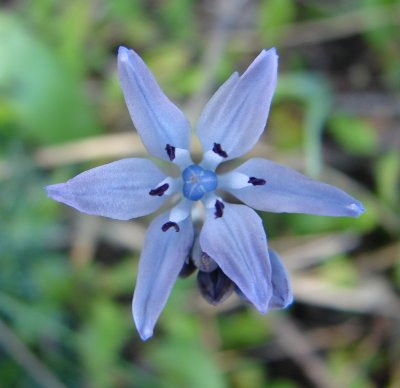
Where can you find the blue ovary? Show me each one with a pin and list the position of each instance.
(197, 182)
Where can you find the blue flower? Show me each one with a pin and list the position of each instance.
(230, 249)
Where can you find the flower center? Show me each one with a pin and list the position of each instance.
(197, 182)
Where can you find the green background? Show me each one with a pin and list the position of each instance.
(66, 280)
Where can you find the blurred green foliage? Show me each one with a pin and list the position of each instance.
(45, 100)
(58, 84)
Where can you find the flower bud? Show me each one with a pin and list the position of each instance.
(215, 286)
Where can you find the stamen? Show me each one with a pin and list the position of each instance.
(219, 209)
(219, 151)
(257, 181)
(170, 224)
(170, 151)
(159, 191)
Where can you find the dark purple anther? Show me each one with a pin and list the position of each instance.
(159, 190)
(170, 151)
(256, 181)
(170, 224)
(219, 209)
(219, 151)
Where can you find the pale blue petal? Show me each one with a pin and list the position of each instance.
(216, 102)
(287, 191)
(158, 121)
(236, 115)
(237, 242)
(161, 260)
(282, 294)
(118, 190)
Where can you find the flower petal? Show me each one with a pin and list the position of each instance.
(236, 115)
(119, 190)
(162, 259)
(287, 191)
(237, 242)
(282, 294)
(158, 121)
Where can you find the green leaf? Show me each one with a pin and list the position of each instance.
(178, 16)
(243, 329)
(170, 62)
(354, 134)
(387, 173)
(306, 223)
(185, 364)
(33, 320)
(340, 271)
(48, 100)
(316, 96)
(100, 341)
(248, 374)
(273, 14)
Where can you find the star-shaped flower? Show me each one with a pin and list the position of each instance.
(230, 250)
